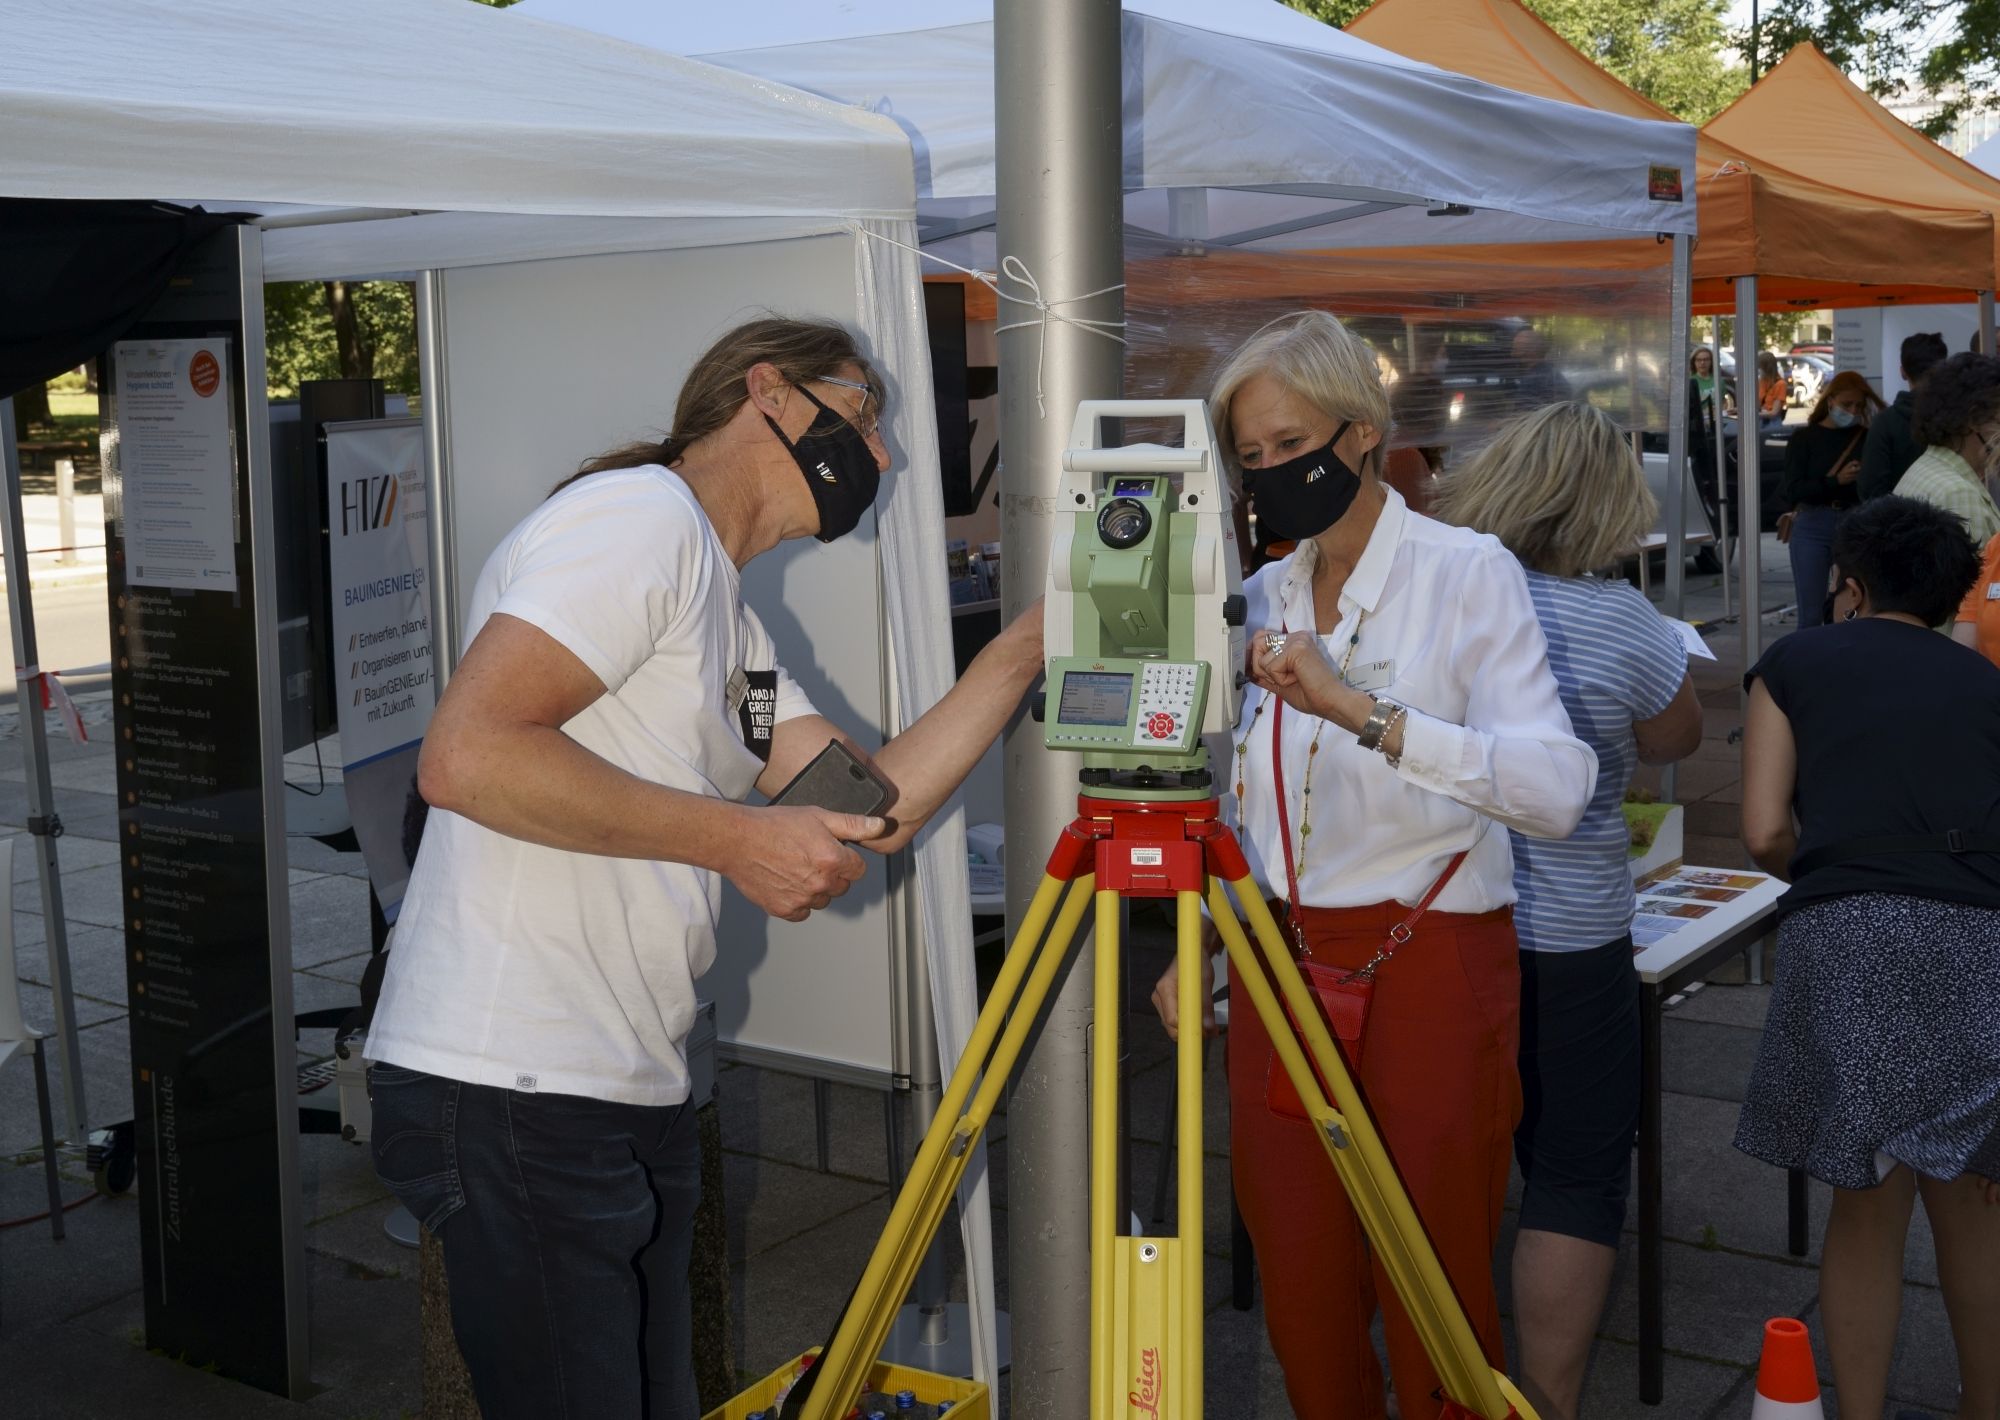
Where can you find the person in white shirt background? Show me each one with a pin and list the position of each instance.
(1404, 683)
(587, 767)
(1564, 491)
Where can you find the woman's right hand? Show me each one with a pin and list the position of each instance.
(1167, 993)
(1848, 472)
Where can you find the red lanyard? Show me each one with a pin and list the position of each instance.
(1400, 933)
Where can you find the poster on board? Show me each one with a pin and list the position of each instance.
(378, 534)
(178, 463)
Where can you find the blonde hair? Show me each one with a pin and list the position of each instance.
(1315, 357)
(1560, 487)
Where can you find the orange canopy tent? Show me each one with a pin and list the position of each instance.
(1812, 243)
(1833, 132)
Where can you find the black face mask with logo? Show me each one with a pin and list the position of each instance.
(1305, 496)
(839, 468)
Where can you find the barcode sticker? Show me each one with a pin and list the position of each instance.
(1148, 857)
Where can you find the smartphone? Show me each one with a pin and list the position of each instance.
(838, 782)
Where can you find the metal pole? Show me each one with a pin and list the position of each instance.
(1749, 448)
(1059, 167)
(1678, 300)
(436, 409)
(43, 825)
(1722, 450)
(1986, 324)
(66, 512)
(1680, 297)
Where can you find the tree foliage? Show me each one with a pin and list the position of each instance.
(1672, 51)
(1949, 47)
(330, 330)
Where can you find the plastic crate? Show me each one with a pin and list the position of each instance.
(968, 1398)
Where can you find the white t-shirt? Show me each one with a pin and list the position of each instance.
(532, 968)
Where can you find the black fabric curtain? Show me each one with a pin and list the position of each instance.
(74, 276)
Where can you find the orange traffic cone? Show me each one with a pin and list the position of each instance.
(1787, 1383)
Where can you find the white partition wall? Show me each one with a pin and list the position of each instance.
(549, 362)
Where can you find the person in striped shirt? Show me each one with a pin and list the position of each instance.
(1562, 489)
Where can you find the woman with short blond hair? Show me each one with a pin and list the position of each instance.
(1562, 489)
(1404, 716)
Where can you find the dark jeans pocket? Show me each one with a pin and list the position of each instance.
(414, 1138)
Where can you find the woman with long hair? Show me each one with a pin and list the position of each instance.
(1823, 480)
(1403, 718)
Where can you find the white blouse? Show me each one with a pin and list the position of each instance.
(1451, 634)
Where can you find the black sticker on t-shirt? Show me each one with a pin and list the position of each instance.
(758, 712)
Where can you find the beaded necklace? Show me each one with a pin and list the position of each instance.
(1312, 752)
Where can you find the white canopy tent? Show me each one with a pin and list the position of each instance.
(1294, 133)
(465, 147)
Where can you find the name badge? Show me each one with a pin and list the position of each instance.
(1376, 675)
(1993, 591)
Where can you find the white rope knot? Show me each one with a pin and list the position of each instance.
(1013, 269)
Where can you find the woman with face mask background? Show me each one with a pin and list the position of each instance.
(1822, 481)
(1403, 718)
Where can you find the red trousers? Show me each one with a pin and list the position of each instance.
(1438, 1072)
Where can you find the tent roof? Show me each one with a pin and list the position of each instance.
(454, 108)
(1292, 127)
(1810, 243)
(1830, 130)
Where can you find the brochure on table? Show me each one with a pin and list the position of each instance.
(1685, 910)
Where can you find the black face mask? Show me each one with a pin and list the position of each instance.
(839, 468)
(1305, 496)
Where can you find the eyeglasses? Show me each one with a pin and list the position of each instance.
(864, 419)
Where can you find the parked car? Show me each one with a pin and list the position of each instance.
(1807, 375)
(1813, 347)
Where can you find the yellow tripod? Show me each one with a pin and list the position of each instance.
(1146, 1293)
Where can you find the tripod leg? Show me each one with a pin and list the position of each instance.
(1030, 971)
(1106, 1358)
(1348, 1135)
(1189, 1052)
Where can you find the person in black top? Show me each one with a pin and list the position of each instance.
(1892, 444)
(1822, 467)
(1879, 1069)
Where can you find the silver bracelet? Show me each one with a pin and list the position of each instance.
(1395, 760)
(1379, 720)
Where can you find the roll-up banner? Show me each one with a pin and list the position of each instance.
(378, 558)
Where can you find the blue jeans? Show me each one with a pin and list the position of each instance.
(1813, 526)
(567, 1224)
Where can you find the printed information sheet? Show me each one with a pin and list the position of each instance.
(178, 464)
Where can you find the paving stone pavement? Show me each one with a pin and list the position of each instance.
(71, 1327)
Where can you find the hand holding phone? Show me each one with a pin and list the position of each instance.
(837, 781)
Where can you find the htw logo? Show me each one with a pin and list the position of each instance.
(367, 503)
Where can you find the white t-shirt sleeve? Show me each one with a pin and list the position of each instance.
(605, 572)
(792, 702)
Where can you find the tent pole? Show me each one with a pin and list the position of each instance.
(1722, 498)
(43, 825)
(1749, 446)
(1679, 298)
(1057, 91)
(436, 410)
(1986, 323)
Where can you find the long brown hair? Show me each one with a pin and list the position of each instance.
(1846, 382)
(715, 389)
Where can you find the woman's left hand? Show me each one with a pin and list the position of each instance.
(1299, 672)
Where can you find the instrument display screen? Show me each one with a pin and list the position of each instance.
(1095, 698)
(1134, 487)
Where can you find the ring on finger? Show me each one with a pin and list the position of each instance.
(1274, 642)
